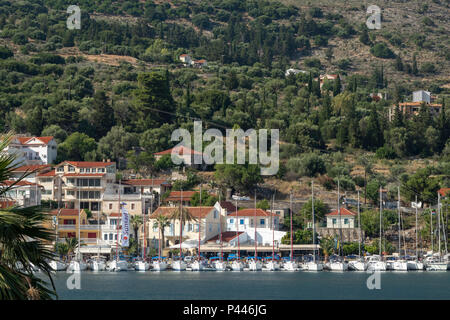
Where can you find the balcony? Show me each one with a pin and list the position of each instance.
(82, 227)
(124, 197)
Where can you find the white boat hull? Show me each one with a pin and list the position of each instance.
(58, 265)
(255, 266)
(436, 266)
(237, 266)
(414, 265)
(357, 266)
(376, 266)
(179, 265)
(159, 265)
(97, 265)
(197, 266)
(313, 266)
(220, 266)
(338, 266)
(400, 266)
(120, 265)
(272, 266)
(77, 266)
(141, 266)
(290, 266)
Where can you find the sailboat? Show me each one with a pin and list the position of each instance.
(237, 265)
(415, 265)
(272, 265)
(399, 264)
(142, 264)
(219, 264)
(375, 262)
(337, 264)
(158, 263)
(359, 264)
(198, 265)
(97, 263)
(118, 264)
(290, 265)
(58, 265)
(435, 262)
(254, 264)
(180, 265)
(77, 264)
(313, 265)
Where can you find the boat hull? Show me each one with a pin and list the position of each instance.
(313, 266)
(77, 266)
(141, 266)
(197, 266)
(272, 266)
(58, 265)
(179, 265)
(159, 266)
(220, 266)
(357, 266)
(237, 266)
(400, 266)
(337, 266)
(290, 266)
(120, 265)
(376, 266)
(255, 266)
(436, 266)
(414, 265)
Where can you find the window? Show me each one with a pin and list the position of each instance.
(71, 169)
(231, 220)
(155, 229)
(105, 237)
(197, 227)
(345, 221)
(70, 193)
(215, 214)
(210, 228)
(88, 170)
(101, 170)
(132, 206)
(94, 170)
(81, 170)
(113, 222)
(190, 227)
(334, 221)
(115, 237)
(110, 206)
(262, 222)
(241, 221)
(60, 169)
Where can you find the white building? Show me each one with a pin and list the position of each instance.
(422, 96)
(186, 59)
(186, 155)
(22, 193)
(347, 219)
(293, 71)
(33, 150)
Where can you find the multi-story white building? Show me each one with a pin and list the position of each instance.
(22, 193)
(33, 150)
(344, 220)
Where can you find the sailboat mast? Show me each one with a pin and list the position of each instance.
(256, 239)
(417, 251)
(79, 222)
(313, 221)
(117, 224)
(290, 209)
(181, 220)
(439, 225)
(199, 223)
(273, 229)
(380, 220)
(340, 222)
(431, 230)
(399, 222)
(359, 227)
(237, 232)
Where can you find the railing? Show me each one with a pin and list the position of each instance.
(82, 227)
(132, 196)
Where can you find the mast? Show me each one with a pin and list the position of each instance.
(439, 225)
(340, 222)
(117, 224)
(220, 228)
(181, 220)
(199, 223)
(417, 251)
(313, 221)
(237, 232)
(359, 227)
(143, 240)
(79, 226)
(256, 239)
(381, 204)
(431, 230)
(399, 223)
(290, 209)
(273, 229)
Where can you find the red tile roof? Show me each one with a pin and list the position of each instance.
(228, 206)
(417, 104)
(196, 212)
(24, 140)
(38, 167)
(6, 204)
(176, 195)
(227, 236)
(19, 183)
(51, 173)
(65, 212)
(180, 150)
(145, 182)
(444, 191)
(88, 164)
(250, 213)
(344, 212)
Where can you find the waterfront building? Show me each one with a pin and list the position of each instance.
(347, 219)
(22, 193)
(33, 150)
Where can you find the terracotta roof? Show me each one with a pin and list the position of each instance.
(24, 140)
(84, 174)
(65, 212)
(227, 236)
(51, 173)
(200, 61)
(344, 212)
(176, 195)
(444, 191)
(197, 212)
(184, 55)
(6, 204)
(180, 150)
(228, 206)
(89, 164)
(250, 213)
(114, 214)
(32, 167)
(145, 182)
(19, 183)
(417, 104)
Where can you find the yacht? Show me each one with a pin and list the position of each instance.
(313, 266)
(336, 264)
(237, 265)
(356, 263)
(254, 265)
(435, 264)
(179, 265)
(159, 264)
(374, 263)
(97, 264)
(400, 265)
(118, 265)
(141, 265)
(220, 265)
(272, 265)
(57, 265)
(414, 265)
(197, 265)
(77, 266)
(290, 266)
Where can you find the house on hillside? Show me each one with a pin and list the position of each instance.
(33, 150)
(186, 59)
(346, 219)
(187, 156)
(327, 77)
(200, 63)
(411, 109)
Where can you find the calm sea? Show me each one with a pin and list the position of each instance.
(262, 285)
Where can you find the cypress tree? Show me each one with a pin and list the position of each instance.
(337, 86)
